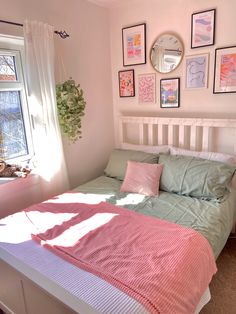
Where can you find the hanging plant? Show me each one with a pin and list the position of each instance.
(70, 107)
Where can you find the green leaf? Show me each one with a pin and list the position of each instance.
(70, 107)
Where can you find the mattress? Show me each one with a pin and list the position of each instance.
(73, 286)
(82, 290)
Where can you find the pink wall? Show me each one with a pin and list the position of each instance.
(95, 39)
(86, 57)
(173, 16)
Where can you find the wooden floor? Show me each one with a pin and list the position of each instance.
(223, 285)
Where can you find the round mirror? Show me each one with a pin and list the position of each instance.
(166, 53)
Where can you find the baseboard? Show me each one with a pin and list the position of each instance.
(5, 309)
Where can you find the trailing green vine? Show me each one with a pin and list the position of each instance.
(70, 107)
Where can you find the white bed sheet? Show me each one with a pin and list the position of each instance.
(80, 290)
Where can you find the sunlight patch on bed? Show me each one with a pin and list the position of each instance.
(87, 198)
(131, 199)
(72, 235)
(46, 220)
(15, 229)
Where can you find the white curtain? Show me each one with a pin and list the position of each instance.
(49, 155)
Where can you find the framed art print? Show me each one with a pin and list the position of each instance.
(203, 28)
(225, 70)
(134, 44)
(170, 89)
(147, 88)
(196, 71)
(126, 83)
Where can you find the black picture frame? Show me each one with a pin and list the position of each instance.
(206, 24)
(170, 92)
(126, 83)
(134, 45)
(225, 60)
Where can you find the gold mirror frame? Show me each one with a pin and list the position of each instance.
(166, 53)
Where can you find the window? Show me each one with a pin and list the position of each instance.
(15, 129)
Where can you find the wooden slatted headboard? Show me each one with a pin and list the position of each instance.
(190, 133)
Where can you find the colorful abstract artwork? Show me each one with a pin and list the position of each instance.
(228, 70)
(203, 28)
(126, 83)
(147, 88)
(134, 48)
(169, 89)
(134, 44)
(196, 71)
(225, 70)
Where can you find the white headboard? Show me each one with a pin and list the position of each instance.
(195, 134)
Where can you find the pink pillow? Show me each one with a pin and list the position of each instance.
(142, 178)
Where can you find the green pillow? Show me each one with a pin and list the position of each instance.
(117, 163)
(195, 177)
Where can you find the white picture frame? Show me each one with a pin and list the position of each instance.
(196, 71)
(147, 88)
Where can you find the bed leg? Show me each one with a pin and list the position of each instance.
(233, 232)
(234, 229)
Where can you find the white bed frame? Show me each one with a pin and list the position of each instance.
(189, 133)
(194, 134)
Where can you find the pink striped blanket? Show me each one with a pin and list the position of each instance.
(164, 266)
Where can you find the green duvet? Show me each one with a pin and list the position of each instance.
(212, 219)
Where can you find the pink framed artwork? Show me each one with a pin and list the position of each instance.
(169, 92)
(126, 83)
(203, 28)
(134, 44)
(147, 88)
(225, 69)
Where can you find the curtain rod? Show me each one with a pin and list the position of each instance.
(62, 34)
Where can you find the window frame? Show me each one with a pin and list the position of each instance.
(9, 46)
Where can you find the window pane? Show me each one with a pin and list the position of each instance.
(12, 131)
(7, 68)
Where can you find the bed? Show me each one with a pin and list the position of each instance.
(32, 283)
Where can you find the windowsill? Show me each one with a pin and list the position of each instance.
(8, 180)
(4, 180)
